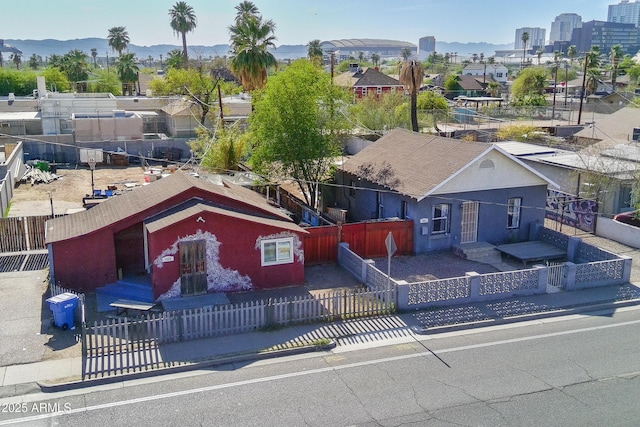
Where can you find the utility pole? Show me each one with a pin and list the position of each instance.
(584, 83)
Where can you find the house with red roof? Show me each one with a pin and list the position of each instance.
(364, 81)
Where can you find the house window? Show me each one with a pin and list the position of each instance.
(379, 90)
(352, 189)
(513, 212)
(277, 251)
(404, 210)
(440, 220)
(499, 74)
(364, 91)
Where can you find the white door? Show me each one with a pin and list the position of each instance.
(469, 224)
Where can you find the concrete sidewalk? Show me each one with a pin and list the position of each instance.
(53, 375)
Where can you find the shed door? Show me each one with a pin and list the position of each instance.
(469, 224)
(193, 267)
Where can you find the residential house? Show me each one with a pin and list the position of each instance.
(365, 81)
(185, 235)
(467, 86)
(455, 191)
(497, 72)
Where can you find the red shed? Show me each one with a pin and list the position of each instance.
(187, 235)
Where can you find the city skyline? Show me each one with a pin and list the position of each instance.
(297, 22)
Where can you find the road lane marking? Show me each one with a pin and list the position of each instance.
(309, 372)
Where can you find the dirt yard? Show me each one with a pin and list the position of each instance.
(68, 190)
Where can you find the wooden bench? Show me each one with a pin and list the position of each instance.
(123, 306)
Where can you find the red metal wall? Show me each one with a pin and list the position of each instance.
(85, 263)
(237, 251)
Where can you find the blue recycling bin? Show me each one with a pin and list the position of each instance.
(63, 307)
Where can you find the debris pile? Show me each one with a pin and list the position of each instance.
(38, 173)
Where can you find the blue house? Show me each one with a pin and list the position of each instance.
(455, 191)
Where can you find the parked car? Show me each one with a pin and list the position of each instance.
(631, 218)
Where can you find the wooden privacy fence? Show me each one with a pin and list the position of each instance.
(366, 239)
(22, 233)
(116, 336)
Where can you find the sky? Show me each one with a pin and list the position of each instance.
(297, 21)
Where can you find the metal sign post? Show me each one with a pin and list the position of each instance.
(391, 249)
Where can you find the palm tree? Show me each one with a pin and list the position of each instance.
(74, 65)
(405, 53)
(615, 56)
(118, 39)
(251, 37)
(16, 59)
(525, 39)
(34, 61)
(539, 53)
(183, 20)
(174, 59)
(246, 8)
(375, 59)
(592, 80)
(128, 72)
(314, 51)
(572, 52)
(94, 55)
(411, 76)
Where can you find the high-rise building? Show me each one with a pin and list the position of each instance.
(562, 27)
(426, 45)
(536, 37)
(606, 35)
(625, 13)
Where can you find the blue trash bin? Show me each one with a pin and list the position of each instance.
(63, 307)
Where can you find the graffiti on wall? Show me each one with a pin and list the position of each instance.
(572, 210)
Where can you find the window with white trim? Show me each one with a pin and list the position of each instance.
(440, 219)
(379, 90)
(364, 91)
(276, 251)
(513, 212)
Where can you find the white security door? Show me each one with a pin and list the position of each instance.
(469, 224)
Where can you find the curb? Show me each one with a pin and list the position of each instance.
(496, 321)
(210, 362)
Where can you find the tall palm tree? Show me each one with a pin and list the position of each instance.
(251, 37)
(525, 39)
(572, 52)
(183, 20)
(118, 39)
(74, 65)
(411, 76)
(246, 8)
(314, 51)
(127, 72)
(615, 56)
(94, 55)
(375, 59)
(405, 53)
(539, 53)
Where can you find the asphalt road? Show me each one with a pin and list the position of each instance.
(573, 371)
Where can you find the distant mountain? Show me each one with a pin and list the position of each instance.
(48, 47)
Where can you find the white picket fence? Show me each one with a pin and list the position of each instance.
(114, 336)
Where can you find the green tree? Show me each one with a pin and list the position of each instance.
(251, 37)
(16, 58)
(412, 76)
(127, 72)
(118, 39)
(380, 112)
(295, 126)
(34, 62)
(220, 152)
(74, 65)
(195, 83)
(183, 21)
(529, 86)
(615, 56)
(55, 79)
(314, 52)
(175, 59)
(572, 52)
(405, 53)
(94, 55)
(375, 59)
(525, 40)
(103, 81)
